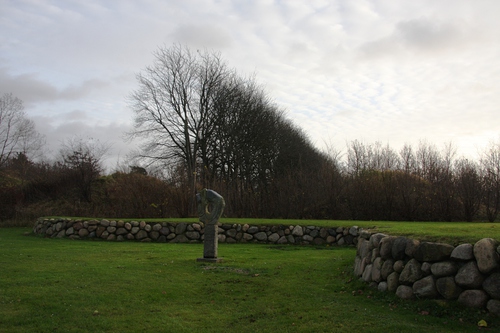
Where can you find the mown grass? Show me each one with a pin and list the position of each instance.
(454, 233)
(60, 285)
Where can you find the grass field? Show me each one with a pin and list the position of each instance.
(60, 285)
(453, 233)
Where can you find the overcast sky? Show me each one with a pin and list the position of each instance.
(390, 71)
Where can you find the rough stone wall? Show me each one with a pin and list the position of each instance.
(469, 273)
(194, 232)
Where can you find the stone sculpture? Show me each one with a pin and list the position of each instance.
(210, 207)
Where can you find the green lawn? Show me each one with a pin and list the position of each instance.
(60, 285)
(454, 233)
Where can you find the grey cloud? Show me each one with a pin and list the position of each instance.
(112, 135)
(420, 36)
(31, 89)
(429, 34)
(203, 35)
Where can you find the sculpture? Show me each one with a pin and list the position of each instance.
(210, 206)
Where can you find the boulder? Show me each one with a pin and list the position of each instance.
(411, 247)
(382, 286)
(247, 237)
(330, 239)
(192, 235)
(385, 247)
(121, 231)
(425, 287)
(386, 269)
(358, 267)
(141, 234)
(411, 273)
(473, 298)
(179, 228)
(375, 254)
(398, 266)
(282, 240)
(444, 268)
(273, 238)
(463, 252)
(367, 273)
(179, 239)
(485, 252)
(393, 281)
(231, 233)
(493, 306)
(318, 241)
(164, 231)
(100, 230)
(426, 268)
(363, 248)
(375, 240)
(469, 276)
(298, 231)
(399, 248)
(365, 234)
(377, 266)
(433, 252)
(307, 238)
(260, 236)
(404, 292)
(492, 285)
(154, 235)
(447, 287)
(83, 232)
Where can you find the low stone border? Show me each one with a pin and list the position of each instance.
(410, 268)
(164, 232)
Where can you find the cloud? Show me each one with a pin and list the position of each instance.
(76, 125)
(31, 89)
(372, 70)
(203, 35)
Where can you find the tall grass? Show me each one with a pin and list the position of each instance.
(59, 285)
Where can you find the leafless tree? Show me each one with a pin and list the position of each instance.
(82, 159)
(173, 105)
(468, 185)
(490, 175)
(17, 132)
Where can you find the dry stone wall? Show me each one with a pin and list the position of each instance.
(164, 232)
(468, 273)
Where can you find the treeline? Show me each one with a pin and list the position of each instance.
(368, 182)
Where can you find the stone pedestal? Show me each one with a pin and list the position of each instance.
(210, 244)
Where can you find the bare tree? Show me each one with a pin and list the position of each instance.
(17, 133)
(468, 185)
(490, 175)
(83, 162)
(173, 105)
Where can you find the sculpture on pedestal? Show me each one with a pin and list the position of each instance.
(210, 206)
